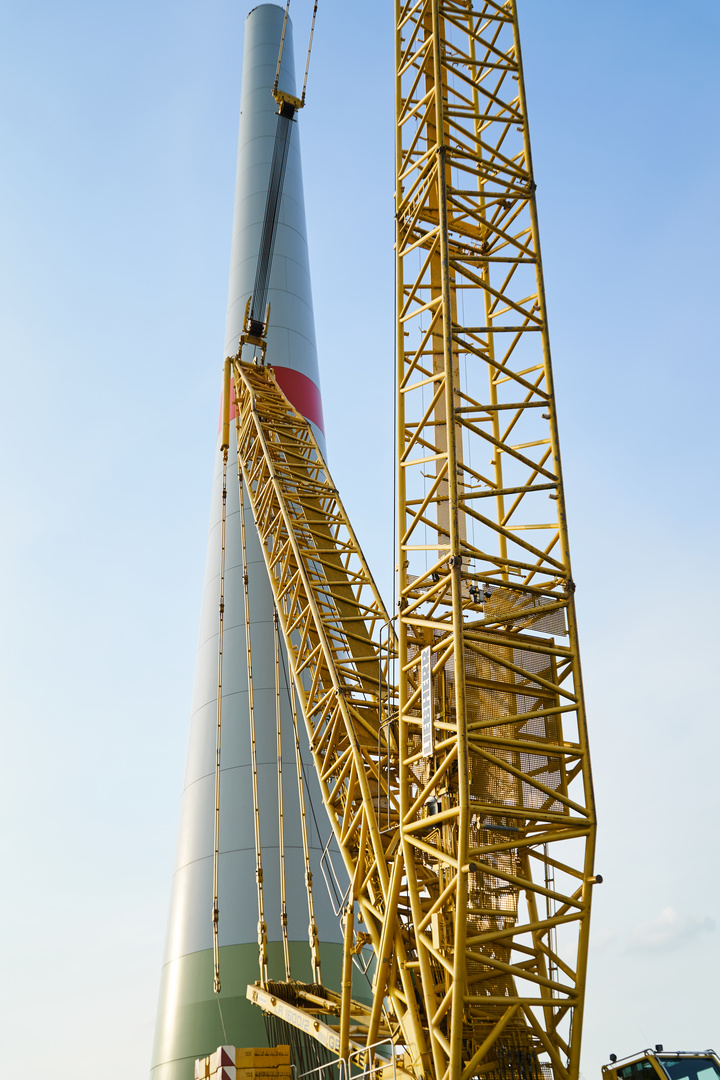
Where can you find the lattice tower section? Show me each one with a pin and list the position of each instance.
(336, 631)
(495, 795)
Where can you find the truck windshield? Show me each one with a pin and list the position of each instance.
(638, 1070)
(690, 1068)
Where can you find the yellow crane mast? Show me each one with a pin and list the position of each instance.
(500, 889)
(449, 741)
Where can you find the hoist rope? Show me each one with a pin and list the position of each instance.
(290, 687)
(281, 145)
(262, 926)
(280, 50)
(222, 1022)
(281, 819)
(307, 62)
(287, 108)
(218, 738)
(282, 46)
(303, 785)
(312, 925)
(336, 898)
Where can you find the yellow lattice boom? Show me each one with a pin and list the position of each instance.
(332, 619)
(500, 885)
(450, 742)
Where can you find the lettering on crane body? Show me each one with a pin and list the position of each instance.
(292, 1016)
(427, 701)
(297, 1017)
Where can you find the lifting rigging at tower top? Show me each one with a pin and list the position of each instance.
(256, 314)
(450, 741)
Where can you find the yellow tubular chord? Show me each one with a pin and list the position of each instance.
(225, 441)
(346, 987)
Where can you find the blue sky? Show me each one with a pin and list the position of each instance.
(118, 126)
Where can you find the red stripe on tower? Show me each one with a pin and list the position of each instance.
(300, 391)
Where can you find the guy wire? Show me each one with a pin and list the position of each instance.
(337, 897)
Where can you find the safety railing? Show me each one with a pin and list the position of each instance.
(362, 1064)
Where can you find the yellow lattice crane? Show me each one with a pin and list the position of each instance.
(450, 740)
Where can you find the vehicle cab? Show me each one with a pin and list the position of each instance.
(659, 1064)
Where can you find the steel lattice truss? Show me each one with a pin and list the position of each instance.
(453, 760)
(498, 820)
(332, 620)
